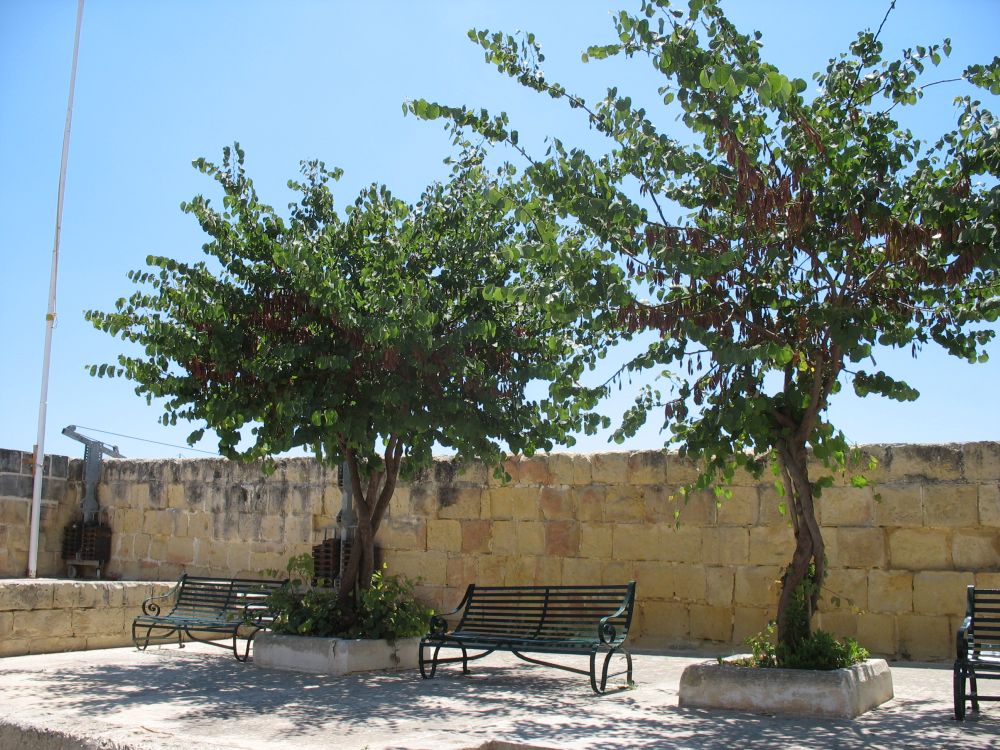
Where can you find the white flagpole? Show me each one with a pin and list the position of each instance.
(50, 319)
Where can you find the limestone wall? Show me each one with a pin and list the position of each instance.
(901, 551)
(47, 616)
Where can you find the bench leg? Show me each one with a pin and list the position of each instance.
(958, 678)
(422, 661)
(602, 687)
(973, 690)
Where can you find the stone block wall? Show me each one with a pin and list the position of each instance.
(47, 616)
(901, 550)
(16, 479)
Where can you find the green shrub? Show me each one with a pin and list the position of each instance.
(387, 610)
(816, 650)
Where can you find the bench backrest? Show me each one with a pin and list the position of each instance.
(213, 597)
(556, 613)
(983, 609)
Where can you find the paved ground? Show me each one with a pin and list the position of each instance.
(201, 699)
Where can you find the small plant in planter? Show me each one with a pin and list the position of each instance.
(387, 610)
(816, 649)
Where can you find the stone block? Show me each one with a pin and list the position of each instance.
(954, 505)
(624, 504)
(919, 549)
(562, 538)
(654, 580)
(549, 571)
(846, 506)
(94, 622)
(41, 623)
(589, 502)
(681, 470)
(719, 586)
(530, 538)
(476, 536)
(877, 633)
(491, 570)
(534, 471)
(504, 537)
(981, 461)
(725, 546)
(772, 507)
(609, 468)
(841, 624)
(899, 505)
(771, 545)
(647, 467)
(741, 509)
(597, 540)
(848, 586)
(34, 595)
(890, 591)
(561, 469)
(515, 503)
(688, 580)
(472, 473)
(180, 550)
(860, 547)
(460, 571)
(582, 571)
(936, 462)
(617, 572)
(55, 645)
(925, 636)
(711, 623)
(989, 505)
(558, 504)
(757, 586)
(582, 470)
(396, 533)
(138, 495)
(681, 544)
(637, 542)
(431, 567)
(460, 502)
(663, 623)
(975, 550)
(940, 592)
(444, 536)
(749, 621)
(14, 646)
(694, 509)
(521, 571)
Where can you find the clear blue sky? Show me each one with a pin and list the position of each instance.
(161, 83)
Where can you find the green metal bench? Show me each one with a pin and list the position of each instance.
(977, 649)
(205, 610)
(581, 620)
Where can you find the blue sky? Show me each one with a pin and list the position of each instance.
(161, 83)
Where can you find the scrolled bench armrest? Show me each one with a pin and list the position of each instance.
(437, 625)
(150, 606)
(606, 630)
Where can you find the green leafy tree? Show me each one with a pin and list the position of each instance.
(368, 336)
(810, 230)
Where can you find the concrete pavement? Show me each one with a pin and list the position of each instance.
(199, 698)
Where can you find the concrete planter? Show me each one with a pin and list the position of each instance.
(335, 656)
(838, 693)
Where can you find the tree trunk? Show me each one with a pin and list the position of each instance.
(794, 624)
(370, 505)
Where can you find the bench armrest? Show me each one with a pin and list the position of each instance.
(437, 625)
(151, 607)
(962, 640)
(606, 630)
